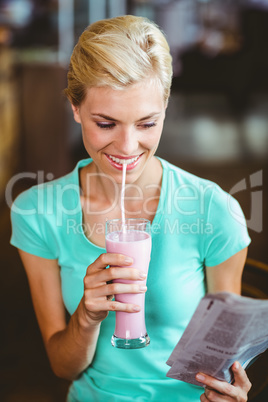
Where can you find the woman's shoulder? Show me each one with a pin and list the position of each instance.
(183, 180)
(49, 190)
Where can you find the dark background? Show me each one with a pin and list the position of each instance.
(216, 127)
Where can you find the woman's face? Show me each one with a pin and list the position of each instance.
(122, 126)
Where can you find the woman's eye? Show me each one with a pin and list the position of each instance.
(148, 125)
(105, 125)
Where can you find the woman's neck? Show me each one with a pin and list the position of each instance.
(103, 192)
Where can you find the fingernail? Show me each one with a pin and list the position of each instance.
(143, 288)
(143, 275)
(200, 377)
(136, 308)
(236, 366)
(128, 260)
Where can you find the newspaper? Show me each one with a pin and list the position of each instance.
(224, 328)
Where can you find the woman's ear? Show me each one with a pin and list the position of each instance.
(76, 113)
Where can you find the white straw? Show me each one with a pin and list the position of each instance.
(123, 195)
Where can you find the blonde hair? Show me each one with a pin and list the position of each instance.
(118, 52)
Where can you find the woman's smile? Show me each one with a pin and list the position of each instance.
(118, 161)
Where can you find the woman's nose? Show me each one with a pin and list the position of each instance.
(127, 141)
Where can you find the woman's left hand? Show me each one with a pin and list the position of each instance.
(221, 391)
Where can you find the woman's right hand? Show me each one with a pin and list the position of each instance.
(99, 290)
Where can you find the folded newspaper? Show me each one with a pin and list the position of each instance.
(224, 328)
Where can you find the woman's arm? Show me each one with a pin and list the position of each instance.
(226, 277)
(71, 347)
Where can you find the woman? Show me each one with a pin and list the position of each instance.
(118, 85)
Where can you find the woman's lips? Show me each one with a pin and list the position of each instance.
(118, 161)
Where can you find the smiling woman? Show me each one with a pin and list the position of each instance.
(118, 86)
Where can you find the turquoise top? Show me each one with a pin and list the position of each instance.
(196, 224)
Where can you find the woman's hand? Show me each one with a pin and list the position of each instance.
(99, 291)
(221, 391)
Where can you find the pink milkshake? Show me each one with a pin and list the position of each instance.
(130, 238)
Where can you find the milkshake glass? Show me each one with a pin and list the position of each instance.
(131, 238)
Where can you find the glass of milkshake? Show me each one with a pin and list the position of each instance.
(132, 238)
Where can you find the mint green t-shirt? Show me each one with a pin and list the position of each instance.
(196, 224)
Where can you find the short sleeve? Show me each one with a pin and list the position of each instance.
(28, 227)
(227, 232)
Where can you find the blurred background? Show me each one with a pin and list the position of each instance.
(216, 127)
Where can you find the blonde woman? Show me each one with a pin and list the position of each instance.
(118, 86)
